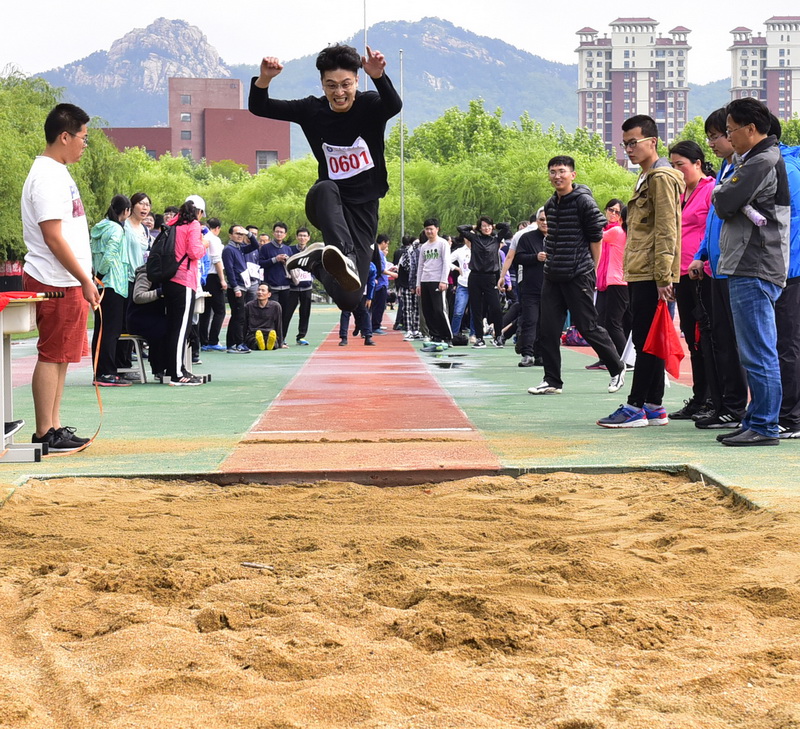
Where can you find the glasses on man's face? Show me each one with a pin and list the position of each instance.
(344, 86)
(631, 143)
(729, 132)
(84, 138)
(715, 137)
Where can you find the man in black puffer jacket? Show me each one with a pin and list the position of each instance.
(574, 236)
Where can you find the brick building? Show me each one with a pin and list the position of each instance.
(207, 120)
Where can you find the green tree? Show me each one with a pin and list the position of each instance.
(790, 132)
(24, 105)
(695, 131)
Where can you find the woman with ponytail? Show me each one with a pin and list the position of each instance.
(179, 291)
(692, 295)
(111, 267)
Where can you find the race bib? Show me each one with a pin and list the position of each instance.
(345, 162)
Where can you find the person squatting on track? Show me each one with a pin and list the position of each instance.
(345, 129)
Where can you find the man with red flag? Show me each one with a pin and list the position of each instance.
(651, 265)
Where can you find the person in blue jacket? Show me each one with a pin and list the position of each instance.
(729, 408)
(362, 313)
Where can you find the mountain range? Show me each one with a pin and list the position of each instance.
(443, 66)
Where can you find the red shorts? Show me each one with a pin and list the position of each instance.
(61, 322)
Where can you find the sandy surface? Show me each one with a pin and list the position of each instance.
(560, 602)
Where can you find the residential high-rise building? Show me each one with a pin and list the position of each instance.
(635, 71)
(767, 67)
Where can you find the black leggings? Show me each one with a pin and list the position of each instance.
(484, 301)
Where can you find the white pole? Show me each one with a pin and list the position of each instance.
(402, 155)
(365, 39)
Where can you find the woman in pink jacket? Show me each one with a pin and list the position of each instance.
(179, 292)
(612, 290)
(693, 295)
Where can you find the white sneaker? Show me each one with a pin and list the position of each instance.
(342, 268)
(545, 388)
(617, 381)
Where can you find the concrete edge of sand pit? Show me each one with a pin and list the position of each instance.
(394, 478)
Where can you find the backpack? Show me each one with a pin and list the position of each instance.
(161, 263)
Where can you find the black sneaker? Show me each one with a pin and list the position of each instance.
(341, 267)
(750, 438)
(724, 436)
(704, 412)
(526, 361)
(717, 420)
(479, 344)
(111, 381)
(368, 342)
(690, 407)
(785, 432)
(343, 342)
(13, 427)
(56, 443)
(306, 259)
(68, 433)
(186, 381)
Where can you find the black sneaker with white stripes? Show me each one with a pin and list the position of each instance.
(785, 432)
(307, 258)
(341, 267)
(718, 420)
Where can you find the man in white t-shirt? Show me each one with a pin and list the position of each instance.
(58, 259)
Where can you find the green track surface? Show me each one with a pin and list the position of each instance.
(160, 430)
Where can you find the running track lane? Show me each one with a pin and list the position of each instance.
(372, 415)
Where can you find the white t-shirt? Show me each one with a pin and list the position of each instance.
(460, 257)
(50, 193)
(214, 250)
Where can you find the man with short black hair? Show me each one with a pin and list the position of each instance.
(272, 258)
(651, 265)
(754, 253)
(432, 274)
(300, 290)
(572, 249)
(215, 286)
(263, 321)
(345, 129)
(730, 392)
(233, 259)
(58, 260)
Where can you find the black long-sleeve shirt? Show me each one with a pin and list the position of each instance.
(264, 318)
(326, 130)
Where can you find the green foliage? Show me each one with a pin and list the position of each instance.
(24, 105)
(463, 165)
(695, 131)
(790, 131)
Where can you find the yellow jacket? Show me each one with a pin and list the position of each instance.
(652, 252)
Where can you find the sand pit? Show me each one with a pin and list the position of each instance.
(562, 601)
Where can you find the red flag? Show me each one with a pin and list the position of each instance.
(663, 341)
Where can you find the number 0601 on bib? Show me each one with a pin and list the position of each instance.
(346, 162)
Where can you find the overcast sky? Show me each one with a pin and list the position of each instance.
(38, 35)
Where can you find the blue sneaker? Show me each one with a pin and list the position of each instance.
(625, 416)
(656, 415)
(214, 348)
